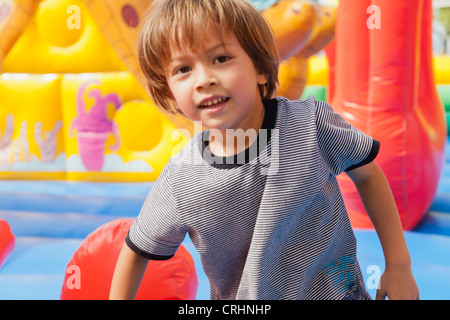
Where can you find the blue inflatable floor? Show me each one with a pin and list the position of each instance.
(51, 219)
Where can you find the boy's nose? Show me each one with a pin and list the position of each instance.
(205, 79)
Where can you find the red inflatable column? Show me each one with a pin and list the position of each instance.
(7, 241)
(398, 103)
(351, 86)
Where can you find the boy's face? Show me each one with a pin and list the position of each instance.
(217, 84)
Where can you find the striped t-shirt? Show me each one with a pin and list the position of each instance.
(269, 224)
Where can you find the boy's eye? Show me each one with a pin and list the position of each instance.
(221, 59)
(182, 70)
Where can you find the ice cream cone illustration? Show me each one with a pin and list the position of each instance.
(93, 127)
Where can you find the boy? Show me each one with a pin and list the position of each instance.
(270, 223)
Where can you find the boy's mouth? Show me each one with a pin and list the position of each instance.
(213, 103)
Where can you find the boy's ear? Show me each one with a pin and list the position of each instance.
(262, 78)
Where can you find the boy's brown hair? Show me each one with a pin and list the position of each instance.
(169, 20)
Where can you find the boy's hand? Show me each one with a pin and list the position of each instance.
(397, 283)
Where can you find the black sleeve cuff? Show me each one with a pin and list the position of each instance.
(372, 155)
(142, 253)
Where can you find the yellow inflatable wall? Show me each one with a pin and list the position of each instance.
(72, 103)
(31, 140)
(69, 107)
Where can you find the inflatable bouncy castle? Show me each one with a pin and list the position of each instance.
(76, 109)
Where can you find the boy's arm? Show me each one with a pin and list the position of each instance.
(397, 281)
(130, 269)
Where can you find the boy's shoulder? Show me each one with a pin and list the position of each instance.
(301, 110)
(307, 104)
(309, 99)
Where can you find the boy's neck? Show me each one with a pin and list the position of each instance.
(228, 142)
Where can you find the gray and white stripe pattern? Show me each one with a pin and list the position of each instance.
(273, 228)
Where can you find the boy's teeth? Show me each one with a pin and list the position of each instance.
(213, 102)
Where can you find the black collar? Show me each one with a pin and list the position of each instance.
(245, 156)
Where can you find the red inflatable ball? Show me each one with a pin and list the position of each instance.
(7, 241)
(89, 272)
